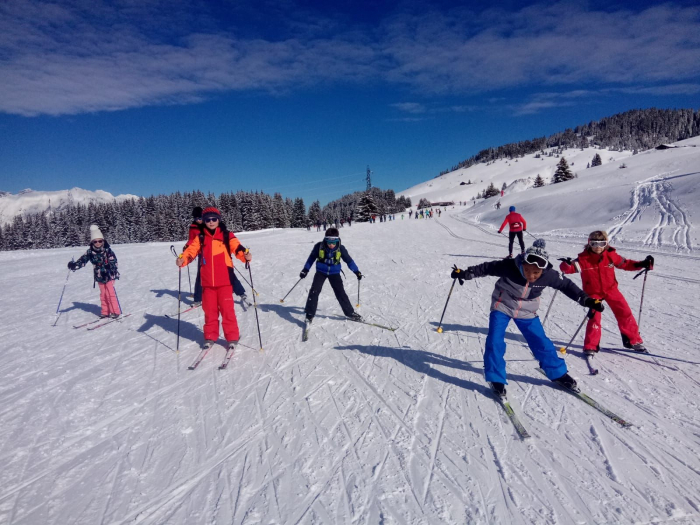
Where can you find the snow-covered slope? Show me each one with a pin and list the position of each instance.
(30, 201)
(652, 201)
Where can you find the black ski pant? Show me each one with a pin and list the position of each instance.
(337, 285)
(511, 238)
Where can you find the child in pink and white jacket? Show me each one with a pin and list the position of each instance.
(105, 268)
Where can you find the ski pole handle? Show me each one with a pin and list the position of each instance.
(172, 249)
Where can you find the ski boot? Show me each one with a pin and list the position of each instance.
(355, 317)
(232, 345)
(499, 389)
(114, 316)
(196, 304)
(639, 347)
(588, 351)
(568, 382)
(208, 344)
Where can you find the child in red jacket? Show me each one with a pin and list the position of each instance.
(597, 265)
(516, 226)
(217, 293)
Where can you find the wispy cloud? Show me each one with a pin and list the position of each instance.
(77, 56)
(409, 107)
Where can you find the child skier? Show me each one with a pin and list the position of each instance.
(197, 230)
(216, 265)
(516, 227)
(328, 254)
(105, 271)
(597, 263)
(516, 296)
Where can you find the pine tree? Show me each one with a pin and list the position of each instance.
(365, 208)
(563, 173)
(299, 213)
(504, 186)
(491, 191)
(315, 212)
(539, 181)
(597, 161)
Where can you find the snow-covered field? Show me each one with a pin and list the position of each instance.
(357, 425)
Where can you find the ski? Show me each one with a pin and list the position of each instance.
(227, 358)
(109, 321)
(174, 316)
(375, 325)
(653, 357)
(591, 369)
(90, 322)
(519, 428)
(305, 333)
(201, 356)
(594, 404)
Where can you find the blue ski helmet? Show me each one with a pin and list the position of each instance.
(512, 208)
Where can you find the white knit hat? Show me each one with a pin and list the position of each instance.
(95, 232)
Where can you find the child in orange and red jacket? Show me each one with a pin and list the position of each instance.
(217, 293)
(597, 265)
(516, 227)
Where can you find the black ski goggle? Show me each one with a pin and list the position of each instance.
(540, 262)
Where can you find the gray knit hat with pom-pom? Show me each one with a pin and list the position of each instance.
(537, 248)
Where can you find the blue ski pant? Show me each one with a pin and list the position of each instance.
(539, 343)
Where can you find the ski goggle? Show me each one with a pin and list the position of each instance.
(332, 240)
(533, 258)
(597, 244)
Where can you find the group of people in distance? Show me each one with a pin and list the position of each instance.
(516, 295)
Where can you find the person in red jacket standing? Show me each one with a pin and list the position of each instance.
(516, 227)
(597, 263)
(217, 293)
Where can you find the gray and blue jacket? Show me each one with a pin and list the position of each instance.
(516, 297)
(328, 261)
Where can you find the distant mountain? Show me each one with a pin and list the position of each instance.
(28, 201)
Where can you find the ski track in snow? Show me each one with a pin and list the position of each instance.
(358, 425)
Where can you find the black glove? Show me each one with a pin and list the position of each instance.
(359, 275)
(72, 266)
(567, 260)
(462, 275)
(303, 273)
(594, 304)
(647, 263)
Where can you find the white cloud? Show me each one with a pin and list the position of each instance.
(92, 56)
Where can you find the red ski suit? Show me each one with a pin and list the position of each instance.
(217, 293)
(599, 282)
(515, 222)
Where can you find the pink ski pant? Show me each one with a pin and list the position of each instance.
(108, 298)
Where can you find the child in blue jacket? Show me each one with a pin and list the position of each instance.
(328, 254)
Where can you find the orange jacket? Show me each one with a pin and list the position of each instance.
(215, 259)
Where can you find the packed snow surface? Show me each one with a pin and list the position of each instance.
(359, 424)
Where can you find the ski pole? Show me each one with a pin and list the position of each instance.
(179, 285)
(290, 291)
(530, 234)
(255, 304)
(550, 307)
(189, 278)
(588, 316)
(641, 301)
(61, 299)
(246, 280)
(439, 328)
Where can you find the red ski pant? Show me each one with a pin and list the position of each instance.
(108, 299)
(219, 300)
(623, 314)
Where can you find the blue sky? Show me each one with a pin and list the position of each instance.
(156, 96)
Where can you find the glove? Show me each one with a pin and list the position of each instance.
(647, 263)
(359, 275)
(303, 273)
(594, 304)
(247, 255)
(72, 266)
(462, 275)
(567, 260)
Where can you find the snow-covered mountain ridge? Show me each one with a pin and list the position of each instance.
(28, 201)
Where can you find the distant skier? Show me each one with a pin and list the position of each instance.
(597, 263)
(327, 254)
(105, 270)
(217, 264)
(516, 227)
(516, 296)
